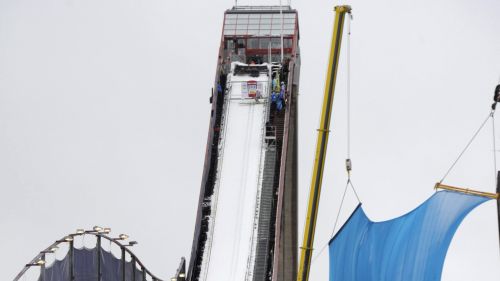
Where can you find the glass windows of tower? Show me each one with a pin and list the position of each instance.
(241, 43)
(230, 44)
(276, 42)
(238, 44)
(253, 43)
(255, 24)
(264, 43)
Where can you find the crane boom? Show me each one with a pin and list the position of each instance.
(321, 145)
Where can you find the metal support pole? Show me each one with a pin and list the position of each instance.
(281, 36)
(498, 202)
(98, 246)
(180, 274)
(133, 269)
(466, 190)
(123, 263)
(143, 273)
(42, 268)
(71, 269)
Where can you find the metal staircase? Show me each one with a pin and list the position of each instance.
(267, 217)
(264, 223)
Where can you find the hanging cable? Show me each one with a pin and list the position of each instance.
(355, 192)
(348, 161)
(348, 76)
(467, 146)
(335, 224)
(340, 208)
(319, 253)
(496, 100)
(349, 183)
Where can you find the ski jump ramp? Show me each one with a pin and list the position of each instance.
(233, 227)
(246, 221)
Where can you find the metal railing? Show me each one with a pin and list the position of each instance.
(99, 233)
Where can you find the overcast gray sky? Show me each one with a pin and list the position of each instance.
(104, 116)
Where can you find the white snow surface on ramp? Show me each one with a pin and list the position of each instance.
(238, 186)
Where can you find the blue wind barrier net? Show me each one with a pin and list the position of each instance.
(85, 267)
(408, 248)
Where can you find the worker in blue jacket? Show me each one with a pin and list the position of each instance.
(281, 97)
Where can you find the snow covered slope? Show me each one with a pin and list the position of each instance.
(234, 216)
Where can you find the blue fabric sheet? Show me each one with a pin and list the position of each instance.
(408, 248)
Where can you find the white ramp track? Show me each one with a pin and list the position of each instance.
(238, 185)
(237, 193)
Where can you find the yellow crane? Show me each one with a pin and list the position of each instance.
(321, 145)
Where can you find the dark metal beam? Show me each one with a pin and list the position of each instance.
(123, 263)
(498, 203)
(98, 245)
(42, 268)
(71, 267)
(133, 269)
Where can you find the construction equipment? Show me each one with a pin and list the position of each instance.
(321, 145)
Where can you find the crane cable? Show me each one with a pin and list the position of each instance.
(348, 161)
(348, 90)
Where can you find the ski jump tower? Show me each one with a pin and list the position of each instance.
(246, 223)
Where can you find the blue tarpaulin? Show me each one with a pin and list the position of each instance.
(408, 248)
